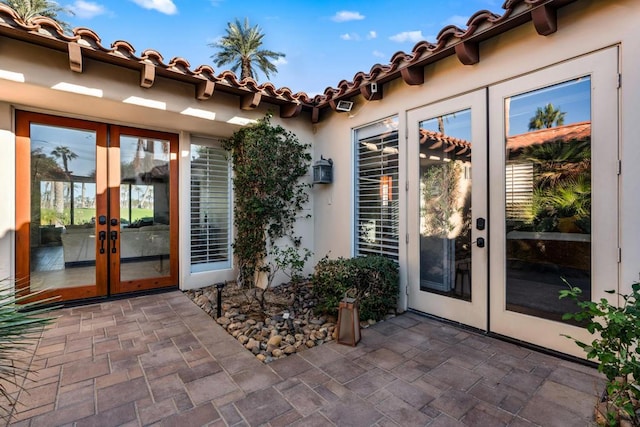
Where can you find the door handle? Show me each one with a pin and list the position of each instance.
(114, 237)
(102, 236)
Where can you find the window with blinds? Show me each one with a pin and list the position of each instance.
(210, 208)
(519, 191)
(376, 192)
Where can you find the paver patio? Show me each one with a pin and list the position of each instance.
(159, 360)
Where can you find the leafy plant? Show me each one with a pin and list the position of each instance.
(615, 347)
(21, 321)
(269, 163)
(373, 278)
(440, 193)
(571, 197)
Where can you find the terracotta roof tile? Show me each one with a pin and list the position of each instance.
(40, 28)
(480, 26)
(437, 140)
(573, 132)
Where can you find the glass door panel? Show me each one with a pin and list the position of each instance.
(448, 214)
(144, 204)
(445, 205)
(144, 208)
(548, 197)
(65, 192)
(553, 162)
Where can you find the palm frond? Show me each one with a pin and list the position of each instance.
(241, 47)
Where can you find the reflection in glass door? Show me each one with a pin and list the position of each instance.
(447, 247)
(445, 204)
(548, 197)
(553, 161)
(60, 193)
(144, 205)
(144, 208)
(94, 216)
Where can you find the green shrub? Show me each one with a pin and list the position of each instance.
(372, 279)
(616, 347)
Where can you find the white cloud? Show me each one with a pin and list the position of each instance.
(379, 54)
(372, 35)
(457, 20)
(163, 6)
(407, 36)
(280, 61)
(345, 15)
(87, 9)
(350, 36)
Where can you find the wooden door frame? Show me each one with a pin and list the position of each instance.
(24, 120)
(107, 273)
(116, 285)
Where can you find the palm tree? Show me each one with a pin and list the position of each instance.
(29, 9)
(546, 117)
(64, 153)
(241, 48)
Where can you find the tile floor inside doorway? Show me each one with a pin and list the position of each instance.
(159, 360)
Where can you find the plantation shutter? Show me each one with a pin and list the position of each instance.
(377, 206)
(210, 209)
(519, 191)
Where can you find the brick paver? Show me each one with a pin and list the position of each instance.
(159, 360)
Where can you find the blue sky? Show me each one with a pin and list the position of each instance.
(325, 41)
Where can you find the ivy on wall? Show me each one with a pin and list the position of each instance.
(269, 163)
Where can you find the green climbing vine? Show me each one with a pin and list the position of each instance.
(269, 163)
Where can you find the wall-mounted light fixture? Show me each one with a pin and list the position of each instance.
(323, 171)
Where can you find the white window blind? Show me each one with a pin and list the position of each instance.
(519, 191)
(377, 207)
(210, 209)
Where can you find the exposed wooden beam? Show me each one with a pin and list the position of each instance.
(288, 111)
(315, 115)
(148, 75)
(75, 57)
(468, 52)
(413, 75)
(369, 93)
(250, 101)
(204, 90)
(545, 19)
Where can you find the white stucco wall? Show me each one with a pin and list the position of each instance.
(583, 27)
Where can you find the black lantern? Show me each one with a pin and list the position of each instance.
(323, 171)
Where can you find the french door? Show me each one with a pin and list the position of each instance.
(96, 207)
(447, 250)
(503, 225)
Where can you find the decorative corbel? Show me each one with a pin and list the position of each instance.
(468, 52)
(204, 90)
(250, 101)
(545, 19)
(288, 111)
(148, 75)
(372, 92)
(75, 57)
(413, 75)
